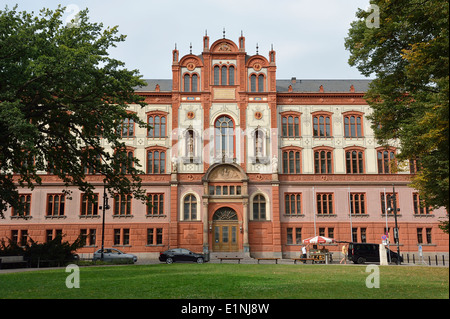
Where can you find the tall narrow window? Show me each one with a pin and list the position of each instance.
(261, 83)
(224, 133)
(223, 78)
(190, 208)
(187, 80)
(216, 75)
(194, 87)
(291, 162)
(259, 207)
(231, 75)
(386, 161)
(253, 83)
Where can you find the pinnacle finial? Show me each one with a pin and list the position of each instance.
(190, 48)
(224, 32)
(257, 47)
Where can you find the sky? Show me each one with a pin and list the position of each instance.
(307, 35)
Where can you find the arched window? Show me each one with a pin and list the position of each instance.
(223, 80)
(386, 161)
(187, 80)
(322, 125)
(231, 75)
(253, 83)
(216, 75)
(190, 207)
(158, 125)
(224, 137)
(354, 160)
(353, 125)
(323, 161)
(156, 162)
(194, 87)
(261, 83)
(259, 207)
(292, 161)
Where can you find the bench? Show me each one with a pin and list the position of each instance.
(276, 259)
(231, 258)
(304, 259)
(12, 260)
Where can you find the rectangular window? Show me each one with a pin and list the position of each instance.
(419, 206)
(55, 204)
(385, 205)
(122, 204)
(155, 205)
(89, 207)
(428, 232)
(24, 206)
(325, 204)
(358, 203)
(293, 203)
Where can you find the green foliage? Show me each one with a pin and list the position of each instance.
(56, 250)
(60, 94)
(409, 56)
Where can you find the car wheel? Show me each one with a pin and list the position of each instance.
(200, 260)
(394, 260)
(361, 260)
(169, 261)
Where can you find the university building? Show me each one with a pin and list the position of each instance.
(240, 161)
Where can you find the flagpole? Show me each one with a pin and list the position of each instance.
(350, 213)
(387, 228)
(314, 210)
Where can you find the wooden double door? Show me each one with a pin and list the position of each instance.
(225, 236)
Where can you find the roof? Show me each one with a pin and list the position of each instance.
(329, 86)
(298, 86)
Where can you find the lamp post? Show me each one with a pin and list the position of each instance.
(395, 210)
(104, 208)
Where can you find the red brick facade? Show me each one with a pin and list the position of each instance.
(251, 164)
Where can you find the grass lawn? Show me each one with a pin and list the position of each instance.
(229, 281)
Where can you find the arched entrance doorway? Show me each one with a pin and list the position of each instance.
(225, 230)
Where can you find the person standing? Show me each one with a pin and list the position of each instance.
(304, 253)
(344, 252)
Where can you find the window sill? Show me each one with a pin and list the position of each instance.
(123, 216)
(155, 216)
(55, 217)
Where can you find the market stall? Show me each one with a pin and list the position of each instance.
(320, 254)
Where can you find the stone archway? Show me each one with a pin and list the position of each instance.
(225, 228)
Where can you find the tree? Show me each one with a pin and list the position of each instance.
(408, 52)
(60, 95)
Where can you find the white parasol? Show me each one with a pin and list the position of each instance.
(318, 240)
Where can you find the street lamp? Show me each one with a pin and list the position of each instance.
(104, 208)
(395, 210)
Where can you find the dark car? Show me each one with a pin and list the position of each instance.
(360, 253)
(181, 255)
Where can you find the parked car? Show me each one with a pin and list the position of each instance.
(360, 253)
(181, 255)
(112, 254)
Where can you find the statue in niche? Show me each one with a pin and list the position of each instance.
(274, 164)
